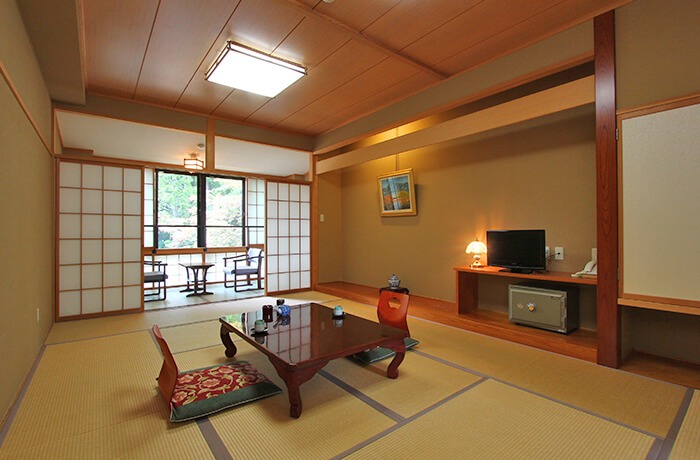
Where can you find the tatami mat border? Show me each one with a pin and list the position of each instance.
(213, 440)
(408, 420)
(675, 428)
(363, 397)
(544, 396)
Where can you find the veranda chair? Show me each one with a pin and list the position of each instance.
(247, 265)
(154, 274)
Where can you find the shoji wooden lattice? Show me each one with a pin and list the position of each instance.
(100, 233)
(288, 237)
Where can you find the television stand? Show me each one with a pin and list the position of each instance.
(468, 283)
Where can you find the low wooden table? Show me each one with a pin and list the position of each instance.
(301, 344)
(196, 267)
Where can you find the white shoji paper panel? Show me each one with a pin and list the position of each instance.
(113, 203)
(70, 200)
(112, 275)
(113, 299)
(71, 175)
(113, 178)
(112, 227)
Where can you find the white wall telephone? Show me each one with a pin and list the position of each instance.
(591, 268)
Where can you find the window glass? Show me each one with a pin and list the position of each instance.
(197, 210)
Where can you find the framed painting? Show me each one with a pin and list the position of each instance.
(397, 193)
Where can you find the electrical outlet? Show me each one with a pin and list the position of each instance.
(37, 316)
(323, 217)
(559, 253)
(594, 255)
(546, 252)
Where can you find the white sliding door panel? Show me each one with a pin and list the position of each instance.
(661, 211)
(99, 239)
(288, 243)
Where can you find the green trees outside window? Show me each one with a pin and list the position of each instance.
(198, 210)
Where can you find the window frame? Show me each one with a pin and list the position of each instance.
(201, 196)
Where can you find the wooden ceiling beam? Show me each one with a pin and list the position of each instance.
(357, 35)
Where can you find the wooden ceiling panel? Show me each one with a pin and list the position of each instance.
(310, 43)
(345, 64)
(412, 19)
(262, 25)
(182, 35)
(357, 14)
(385, 74)
(549, 21)
(373, 103)
(239, 105)
(116, 36)
(272, 22)
(488, 18)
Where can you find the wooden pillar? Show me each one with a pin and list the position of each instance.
(606, 195)
(210, 152)
(313, 177)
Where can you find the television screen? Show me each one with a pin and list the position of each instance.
(516, 250)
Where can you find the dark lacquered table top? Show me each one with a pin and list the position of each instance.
(311, 333)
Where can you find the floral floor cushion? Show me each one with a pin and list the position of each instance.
(379, 353)
(208, 390)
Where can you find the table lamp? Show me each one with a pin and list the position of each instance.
(477, 248)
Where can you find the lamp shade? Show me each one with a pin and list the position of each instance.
(244, 68)
(476, 247)
(192, 162)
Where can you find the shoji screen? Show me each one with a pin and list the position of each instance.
(288, 237)
(256, 210)
(99, 239)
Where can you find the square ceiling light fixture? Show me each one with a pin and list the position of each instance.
(244, 68)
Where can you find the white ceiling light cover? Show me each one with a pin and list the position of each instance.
(243, 68)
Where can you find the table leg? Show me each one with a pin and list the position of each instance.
(195, 273)
(293, 378)
(204, 282)
(228, 343)
(188, 288)
(400, 349)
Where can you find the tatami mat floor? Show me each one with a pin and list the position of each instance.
(93, 394)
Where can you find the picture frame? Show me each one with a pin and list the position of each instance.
(397, 195)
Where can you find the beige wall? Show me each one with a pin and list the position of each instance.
(329, 231)
(26, 190)
(538, 174)
(658, 44)
(657, 49)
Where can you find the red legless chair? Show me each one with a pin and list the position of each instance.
(390, 313)
(192, 395)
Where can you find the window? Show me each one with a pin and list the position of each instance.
(198, 210)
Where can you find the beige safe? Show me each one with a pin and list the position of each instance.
(554, 307)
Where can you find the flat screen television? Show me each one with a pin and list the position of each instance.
(520, 251)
